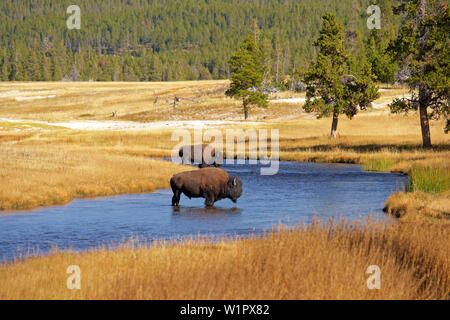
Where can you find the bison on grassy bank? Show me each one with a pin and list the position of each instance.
(196, 153)
(213, 184)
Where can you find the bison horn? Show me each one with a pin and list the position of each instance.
(234, 181)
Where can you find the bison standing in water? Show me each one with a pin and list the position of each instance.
(196, 153)
(213, 184)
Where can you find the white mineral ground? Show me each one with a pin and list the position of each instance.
(129, 125)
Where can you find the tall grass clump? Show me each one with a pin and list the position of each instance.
(429, 179)
(378, 164)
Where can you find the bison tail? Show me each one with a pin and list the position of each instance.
(173, 185)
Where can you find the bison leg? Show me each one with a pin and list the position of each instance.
(209, 200)
(176, 198)
(175, 201)
(176, 194)
(202, 165)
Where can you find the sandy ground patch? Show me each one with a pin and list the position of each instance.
(290, 100)
(23, 93)
(20, 98)
(92, 125)
(301, 100)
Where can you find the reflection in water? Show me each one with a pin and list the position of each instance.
(296, 194)
(204, 211)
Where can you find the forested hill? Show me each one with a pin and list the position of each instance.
(164, 39)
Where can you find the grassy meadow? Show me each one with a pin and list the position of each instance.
(42, 164)
(34, 176)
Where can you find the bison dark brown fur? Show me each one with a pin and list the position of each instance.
(213, 184)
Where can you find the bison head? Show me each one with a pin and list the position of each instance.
(234, 188)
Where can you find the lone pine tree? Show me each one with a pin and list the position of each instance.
(247, 76)
(331, 90)
(423, 47)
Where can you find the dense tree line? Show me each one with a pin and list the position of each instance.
(163, 40)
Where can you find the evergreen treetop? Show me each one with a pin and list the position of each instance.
(247, 76)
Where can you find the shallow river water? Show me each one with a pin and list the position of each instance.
(296, 194)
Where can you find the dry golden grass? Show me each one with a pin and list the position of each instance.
(140, 101)
(414, 205)
(46, 175)
(306, 262)
(86, 100)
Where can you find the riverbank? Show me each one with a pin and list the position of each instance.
(304, 262)
(45, 175)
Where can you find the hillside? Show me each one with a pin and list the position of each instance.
(165, 40)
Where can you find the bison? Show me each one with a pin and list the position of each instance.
(213, 184)
(192, 154)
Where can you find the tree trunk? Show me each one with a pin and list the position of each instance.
(423, 93)
(175, 101)
(334, 125)
(292, 79)
(424, 124)
(245, 110)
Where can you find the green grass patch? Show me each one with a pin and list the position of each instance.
(378, 164)
(429, 179)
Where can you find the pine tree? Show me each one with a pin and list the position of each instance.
(129, 69)
(423, 46)
(246, 76)
(18, 72)
(73, 74)
(45, 70)
(4, 71)
(156, 69)
(106, 70)
(383, 65)
(266, 61)
(55, 68)
(330, 89)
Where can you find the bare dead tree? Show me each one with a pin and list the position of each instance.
(175, 101)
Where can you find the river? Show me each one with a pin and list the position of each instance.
(296, 194)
